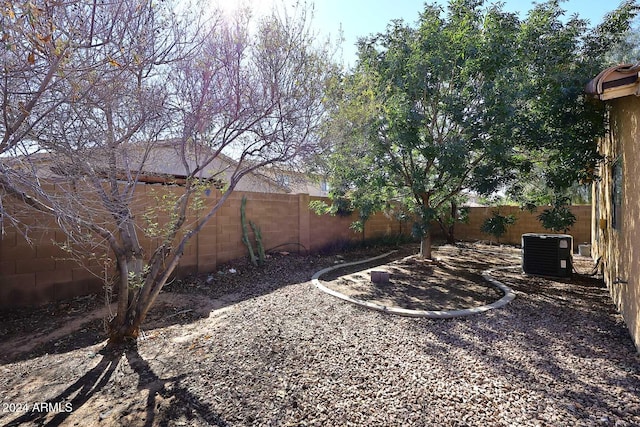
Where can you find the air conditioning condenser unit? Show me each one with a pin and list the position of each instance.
(547, 254)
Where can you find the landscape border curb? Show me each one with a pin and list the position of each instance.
(509, 295)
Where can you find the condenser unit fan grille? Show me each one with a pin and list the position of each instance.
(547, 254)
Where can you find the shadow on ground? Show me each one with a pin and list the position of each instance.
(454, 282)
(559, 324)
(558, 354)
(68, 325)
(179, 403)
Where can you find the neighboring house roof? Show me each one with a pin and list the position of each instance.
(615, 82)
(162, 164)
(165, 159)
(297, 182)
(473, 200)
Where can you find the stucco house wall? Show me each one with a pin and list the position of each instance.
(616, 206)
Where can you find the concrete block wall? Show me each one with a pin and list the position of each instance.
(40, 272)
(277, 216)
(31, 273)
(526, 222)
(37, 273)
(381, 225)
(328, 229)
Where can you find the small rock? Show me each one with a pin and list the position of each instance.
(104, 415)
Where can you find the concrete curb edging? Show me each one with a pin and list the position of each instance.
(509, 295)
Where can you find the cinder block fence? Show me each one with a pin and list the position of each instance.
(526, 222)
(39, 272)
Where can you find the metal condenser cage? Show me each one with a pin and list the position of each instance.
(547, 254)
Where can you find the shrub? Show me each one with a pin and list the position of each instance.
(497, 224)
(559, 218)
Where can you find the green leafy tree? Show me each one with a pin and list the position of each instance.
(497, 224)
(356, 183)
(448, 221)
(559, 217)
(556, 123)
(473, 99)
(423, 107)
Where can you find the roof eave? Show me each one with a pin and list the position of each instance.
(615, 82)
(619, 92)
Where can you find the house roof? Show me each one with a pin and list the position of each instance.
(615, 82)
(161, 165)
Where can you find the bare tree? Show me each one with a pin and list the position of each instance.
(77, 72)
(136, 83)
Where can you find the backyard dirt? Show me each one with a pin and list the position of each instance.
(451, 282)
(261, 346)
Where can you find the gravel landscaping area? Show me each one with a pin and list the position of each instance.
(266, 348)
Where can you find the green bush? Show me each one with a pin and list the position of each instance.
(559, 218)
(496, 225)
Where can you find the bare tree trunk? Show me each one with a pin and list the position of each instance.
(123, 327)
(454, 215)
(233, 87)
(118, 322)
(425, 246)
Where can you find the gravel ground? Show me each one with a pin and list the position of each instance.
(558, 355)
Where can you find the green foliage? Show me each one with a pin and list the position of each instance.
(529, 194)
(474, 99)
(628, 49)
(161, 216)
(555, 123)
(198, 189)
(135, 279)
(257, 232)
(463, 215)
(319, 207)
(423, 115)
(559, 218)
(342, 206)
(453, 215)
(419, 230)
(339, 206)
(496, 225)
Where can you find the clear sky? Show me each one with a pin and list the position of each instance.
(359, 18)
